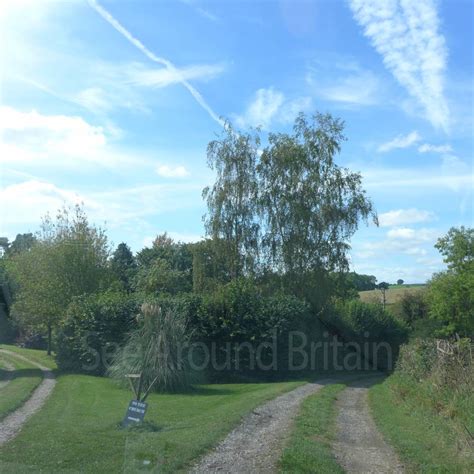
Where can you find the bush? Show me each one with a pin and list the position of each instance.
(361, 323)
(449, 365)
(94, 327)
(155, 351)
(413, 306)
(237, 315)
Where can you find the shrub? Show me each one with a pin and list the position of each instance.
(94, 327)
(413, 307)
(360, 323)
(238, 315)
(155, 351)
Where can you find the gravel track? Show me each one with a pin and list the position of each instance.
(360, 447)
(255, 445)
(12, 424)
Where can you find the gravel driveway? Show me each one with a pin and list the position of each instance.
(255, 445)
(12, 424)
(360, 447)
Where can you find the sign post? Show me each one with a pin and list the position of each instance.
(135, 413)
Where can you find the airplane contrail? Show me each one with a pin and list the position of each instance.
(150, 55)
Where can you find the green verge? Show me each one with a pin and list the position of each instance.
(77, 429)
(309, 447)
(425, 440)
(33, 354)
(25, 378)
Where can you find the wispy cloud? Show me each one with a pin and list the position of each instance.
(201, 11)
(142, 76)
(262, 109)
(404, 216)
(406, 34)
(270, 105)
(427, 148)
(352, 86)
(153, 57)
(172, 172)
(401, 141)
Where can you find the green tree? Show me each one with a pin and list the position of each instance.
(400, 281)
(123, 265)
(232, 200)
(451, 293)
(68, 259)
(21, 243)
(310, 206)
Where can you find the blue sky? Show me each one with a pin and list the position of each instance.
(112, 103)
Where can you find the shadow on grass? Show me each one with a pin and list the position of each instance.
(19, 373)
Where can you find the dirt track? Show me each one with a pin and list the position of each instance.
(360, 448)
(12, 424)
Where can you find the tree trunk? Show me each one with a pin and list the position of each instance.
(49, 339)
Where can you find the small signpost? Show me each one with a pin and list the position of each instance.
(135, 413)
(137, 407)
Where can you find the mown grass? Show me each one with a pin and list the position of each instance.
(25, 378)
(309, 447)
(77, 429)
(33, 354)
(426, 440)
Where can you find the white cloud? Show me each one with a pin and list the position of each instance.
(427, 148)
(262, 109)
(143, 76)
(32, 199)
(401, 141)
(120, 208)
(291, 108)
(452, 165)
(172, 172)
(39, 140)
(404, 216)
(406, 34)
(412, 235)
(452, 175)
(33, 134)
(270, 105)
(358, 87)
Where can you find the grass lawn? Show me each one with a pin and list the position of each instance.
(35, 355)
(393, 294)
(424, 440)
(25, 379)
(309, 448)
(77, 429)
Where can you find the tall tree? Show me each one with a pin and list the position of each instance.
(124, 265)
(68, 259)
(310, 206)
(232, 200)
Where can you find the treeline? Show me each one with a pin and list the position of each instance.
(274, 261)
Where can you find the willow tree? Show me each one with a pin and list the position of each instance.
(232, 200)
(310, 206)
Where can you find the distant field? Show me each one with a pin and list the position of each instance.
(393, 294)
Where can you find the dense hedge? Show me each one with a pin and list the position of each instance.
(94, 327)
(236, 319)
(369, 327)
